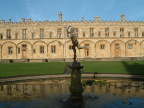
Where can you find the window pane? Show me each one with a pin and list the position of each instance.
(53, 49)
(41, 49)
(10, 50)
(130, 46)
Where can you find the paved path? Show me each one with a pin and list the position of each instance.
(127, 76)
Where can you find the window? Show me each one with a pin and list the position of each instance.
(136, 32)
(116, 44)
(102, 46)
(41, 49)
(32, 35)
(18, 50)
(87, 45)
(87, 50)
(91, 32)
(70, 47)
(99, 34)
(114, 33)
(142, 34)
(41, 33)
(24, 32)
(107, 32)
(121, 32)
(59, 32)
(10, 50)
(34, 51)
(128, 34)
(50, 35)
(8, 33)
(130, 46)
(76, 31)
(83, 34)
(16, 35)
(24, 46)
(1, 36)
(53, 49)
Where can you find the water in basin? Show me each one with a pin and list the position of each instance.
(55, 94)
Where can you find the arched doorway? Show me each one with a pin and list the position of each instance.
(117, 48)
(117, 52)
(87, 50)
(24, 53)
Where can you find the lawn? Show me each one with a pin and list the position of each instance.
(123, 67)
(20, 69)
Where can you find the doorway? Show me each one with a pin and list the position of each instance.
(117, 52)
(24, 53)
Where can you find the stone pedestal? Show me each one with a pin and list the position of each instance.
(76, 88)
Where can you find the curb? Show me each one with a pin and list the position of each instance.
(125, 76)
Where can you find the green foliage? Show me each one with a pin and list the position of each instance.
(102, 82)
(95, 82)
(87, 82)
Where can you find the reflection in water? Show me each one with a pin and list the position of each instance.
(55, 94)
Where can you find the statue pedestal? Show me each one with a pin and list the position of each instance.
(76, 88)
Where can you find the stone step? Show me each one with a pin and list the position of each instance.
(36, 61)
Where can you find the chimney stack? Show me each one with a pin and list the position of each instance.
(97, 18)
(123, 17)
(82, 18)
(60, 16)
(22, 20)
(29, 20)
(9, 20)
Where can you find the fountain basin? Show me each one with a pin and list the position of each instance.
(54, 93)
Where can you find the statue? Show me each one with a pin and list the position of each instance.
(76, 88)
(71, 32)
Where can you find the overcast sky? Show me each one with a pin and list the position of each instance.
(41, 10)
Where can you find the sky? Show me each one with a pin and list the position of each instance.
(41, 10)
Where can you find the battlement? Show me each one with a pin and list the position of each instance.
(96, 20)
(70, 21)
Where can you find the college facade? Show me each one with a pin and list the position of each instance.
(49, 39)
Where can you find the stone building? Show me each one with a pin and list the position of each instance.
(48, 40)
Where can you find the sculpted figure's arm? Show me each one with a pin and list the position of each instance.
(71, 32)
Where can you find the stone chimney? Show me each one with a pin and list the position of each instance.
(123, 17)
(9, 20)
(82, 18)
(29, 20)
(97, 18)
(60, 16)
(22, 20)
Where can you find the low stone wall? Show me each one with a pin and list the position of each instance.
(69, 60)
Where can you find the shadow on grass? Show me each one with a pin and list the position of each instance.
(134, 68)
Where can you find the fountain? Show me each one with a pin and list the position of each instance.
(76, 88)
(84, 93)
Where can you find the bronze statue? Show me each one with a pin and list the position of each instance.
(76, 88)
(71, 32)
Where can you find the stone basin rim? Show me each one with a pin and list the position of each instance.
(37, 77)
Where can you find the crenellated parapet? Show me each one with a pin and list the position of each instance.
(96, 20)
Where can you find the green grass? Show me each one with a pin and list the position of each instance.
(20, 69)
(123, 67)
